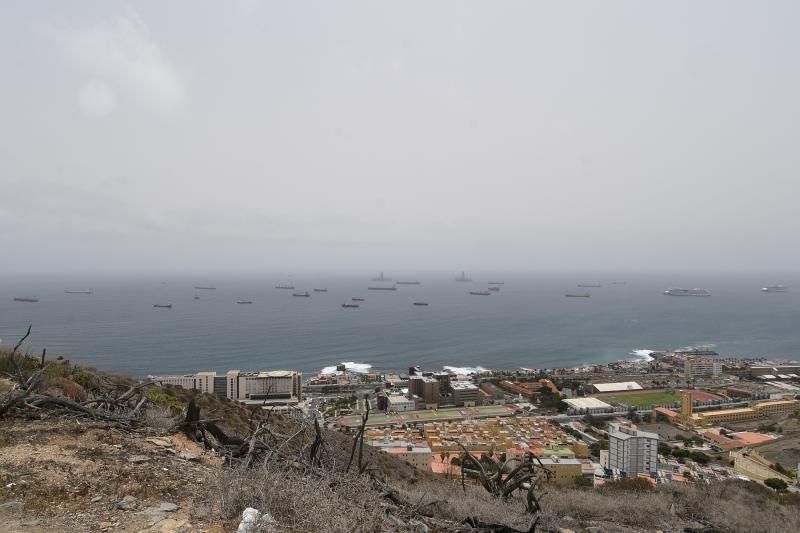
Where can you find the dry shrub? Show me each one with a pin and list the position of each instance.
(446, 499)
(67, 388)
(322, 502)
(160, 417)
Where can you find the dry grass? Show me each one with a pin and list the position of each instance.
(321, 502)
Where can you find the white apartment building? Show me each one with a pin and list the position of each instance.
(631, 450)
(707, 368)
(241, 386)
(399, 403)
(202, 381)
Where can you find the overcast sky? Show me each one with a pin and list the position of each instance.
(422, 135)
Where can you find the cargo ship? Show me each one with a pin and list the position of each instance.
(350, 306)
(421, 303)
(494, 289)
(288, 286)
(357, 299)
(582, 295)
(497, 283)
(320, 290)
(408, 283)
(480, 293)
(163, 306)
(85, 291)
(303, 294)
(382, 288)
(244, 302)
(205, 288)
(28, 300)
(589, 285)
(687, 292)
(775, 288)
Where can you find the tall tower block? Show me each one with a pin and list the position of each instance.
(686, 406)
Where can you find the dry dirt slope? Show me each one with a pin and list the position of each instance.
(64, 475)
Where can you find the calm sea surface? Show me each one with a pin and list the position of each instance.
(529, 323)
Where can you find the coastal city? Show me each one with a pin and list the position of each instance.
(685, 416)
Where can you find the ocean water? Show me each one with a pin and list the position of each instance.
(529, 323)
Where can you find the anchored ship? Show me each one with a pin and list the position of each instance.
(24, 299)
(205, 288)
(463, 277)
(589, 285)
(163, 306)
(382, 288)
(288, 286)
(357, 299)
(244, 302)
(687, 292)
(303, 294)
(350, 306)
(421, 303)
(320, 290)
(84, 291)
(583, 295)
(480, 293)
(775, 288)
(497, 283)
(408, 283)
(494, 289)
(381, 278)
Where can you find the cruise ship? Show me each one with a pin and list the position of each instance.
(463, 277)
(687, 292)
(381, 278)
(775, 288)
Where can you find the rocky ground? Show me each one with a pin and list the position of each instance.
(63, 474)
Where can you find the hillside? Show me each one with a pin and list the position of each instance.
(80, 452)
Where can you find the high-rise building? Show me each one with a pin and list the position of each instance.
(706, 368)
(631, 450)
(427, 388)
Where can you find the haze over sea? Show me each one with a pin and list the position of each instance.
(529, 323)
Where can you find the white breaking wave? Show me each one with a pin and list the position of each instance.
(465, 369)
(361, 368)
(643, 355)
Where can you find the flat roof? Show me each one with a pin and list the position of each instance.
(463, 385)
(397, 398)
(616, 387)
(586, 403)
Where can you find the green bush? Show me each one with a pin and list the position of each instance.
(162, 398)
(776, 484)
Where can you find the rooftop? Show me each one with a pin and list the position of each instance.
(615, 387)
(587, 403)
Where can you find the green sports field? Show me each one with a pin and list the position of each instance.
(641, 400)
